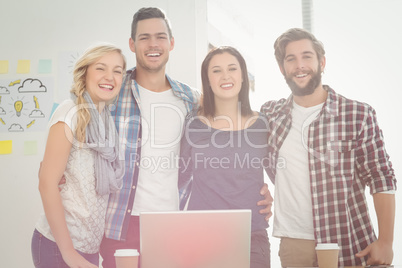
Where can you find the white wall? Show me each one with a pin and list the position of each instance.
(41, 30)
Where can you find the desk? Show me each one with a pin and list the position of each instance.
(364, 266)
(398, 266)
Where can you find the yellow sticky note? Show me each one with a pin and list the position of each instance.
(3, 66)
(6, 147)
(23, 66)
(30, 147)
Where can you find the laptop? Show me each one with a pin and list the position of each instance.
(195, 239)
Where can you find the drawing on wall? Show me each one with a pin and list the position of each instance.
(66, 62)
(25, 104)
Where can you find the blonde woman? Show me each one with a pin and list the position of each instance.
(82, 146)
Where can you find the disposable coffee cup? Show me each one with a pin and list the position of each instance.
(327, 255)
(126, 258)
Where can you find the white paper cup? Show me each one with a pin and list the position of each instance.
(327, 255)
(126, 258)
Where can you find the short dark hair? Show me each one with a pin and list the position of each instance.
(295, 34)
(149, 13)
(207, 107)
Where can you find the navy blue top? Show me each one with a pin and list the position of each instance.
(226, 167)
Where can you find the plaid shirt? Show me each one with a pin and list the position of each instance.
(346, 153)
(127, 116)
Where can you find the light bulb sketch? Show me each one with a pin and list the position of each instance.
(18, 107)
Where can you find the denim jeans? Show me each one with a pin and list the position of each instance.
(46, 253)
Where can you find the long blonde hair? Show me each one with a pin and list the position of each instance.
(90, 56)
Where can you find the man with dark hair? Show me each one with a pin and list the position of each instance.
(327, 149)
(151, 131)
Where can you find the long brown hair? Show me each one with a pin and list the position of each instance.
(207, 106)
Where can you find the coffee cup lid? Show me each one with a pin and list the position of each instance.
(327, 246)
(126, 252)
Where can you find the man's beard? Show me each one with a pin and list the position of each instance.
(309, 89)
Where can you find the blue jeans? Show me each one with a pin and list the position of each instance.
(46, 253)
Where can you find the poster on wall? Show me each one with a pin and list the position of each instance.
(25, 104)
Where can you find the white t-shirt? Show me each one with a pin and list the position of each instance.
(162, 120)
(84, 209)
(293, 209)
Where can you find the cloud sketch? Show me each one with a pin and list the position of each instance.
(4, 90)
(36, 114)
(15, 128)
(32, 85)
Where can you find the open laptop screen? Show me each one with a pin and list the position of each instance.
(195, 239)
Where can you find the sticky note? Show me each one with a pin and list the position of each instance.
(3, 66)
(30, 147)
(6, 147)
(45, 66)
(23, 66)
(53, 109)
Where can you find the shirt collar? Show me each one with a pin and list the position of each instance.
(332, 102)
(177, 88)
(330, 106)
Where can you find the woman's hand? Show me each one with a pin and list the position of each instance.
(74, 260)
